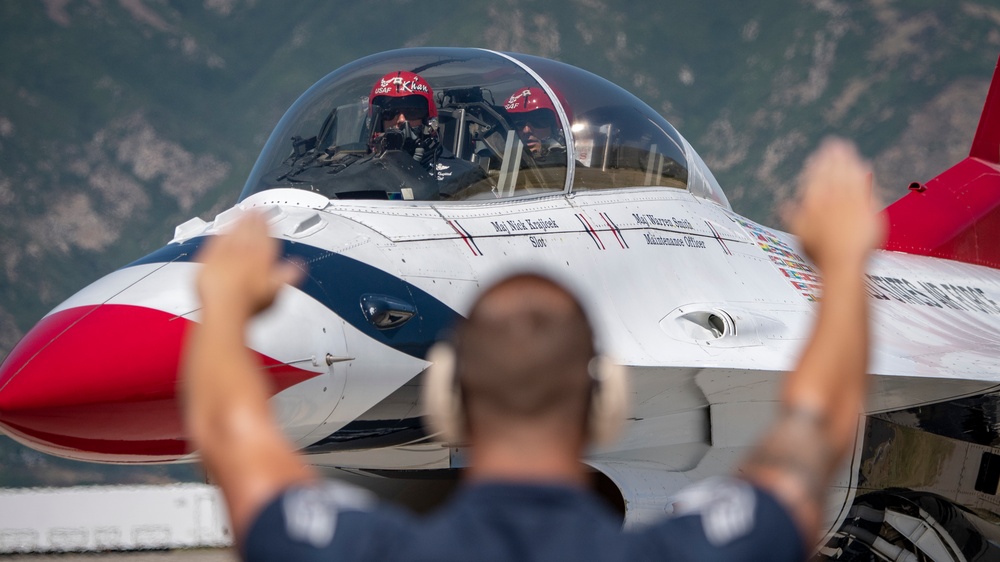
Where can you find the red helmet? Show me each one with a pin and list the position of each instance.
(529, 99)
(401, 85)
(534, 98)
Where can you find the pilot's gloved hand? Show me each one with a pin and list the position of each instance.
(392, 139)
(427, 148)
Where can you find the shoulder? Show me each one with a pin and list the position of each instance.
(322, 521)
(725, 519)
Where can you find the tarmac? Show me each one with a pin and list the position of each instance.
(193, 555)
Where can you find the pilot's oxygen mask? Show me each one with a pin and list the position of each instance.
(419, 142)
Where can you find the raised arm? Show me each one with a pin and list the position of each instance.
(823, 397)
(225, 395)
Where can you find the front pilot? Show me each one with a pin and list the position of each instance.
(401, 104)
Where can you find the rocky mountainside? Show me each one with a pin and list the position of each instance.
(120, 119)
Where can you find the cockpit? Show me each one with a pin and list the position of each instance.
(440, 124)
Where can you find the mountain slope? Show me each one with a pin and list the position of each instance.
(119, 120)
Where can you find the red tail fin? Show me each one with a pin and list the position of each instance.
(956, 215)
(986, 145)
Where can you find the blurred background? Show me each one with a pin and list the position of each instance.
(120, 119)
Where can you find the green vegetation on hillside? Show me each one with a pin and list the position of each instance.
(119, 121)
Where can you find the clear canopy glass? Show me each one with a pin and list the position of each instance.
(506, 126)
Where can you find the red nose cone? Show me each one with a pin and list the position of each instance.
(98, 379)
(100, 383)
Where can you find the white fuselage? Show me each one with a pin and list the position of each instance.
(707, 308)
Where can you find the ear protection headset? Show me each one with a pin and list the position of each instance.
(445, 414)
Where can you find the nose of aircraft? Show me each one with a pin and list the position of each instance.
(98, 382)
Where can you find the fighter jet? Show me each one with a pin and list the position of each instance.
(404, 182)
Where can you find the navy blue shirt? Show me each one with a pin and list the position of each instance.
(724, 519)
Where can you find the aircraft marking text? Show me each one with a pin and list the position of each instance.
(524, 225)
(652, 220)
(685, 241)
(937, 295)
(657, 240)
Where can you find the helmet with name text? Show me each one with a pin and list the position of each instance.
(534, 102)
(401, 90)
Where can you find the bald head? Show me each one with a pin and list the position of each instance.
(522, 357)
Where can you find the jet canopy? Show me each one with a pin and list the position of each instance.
(469, 124)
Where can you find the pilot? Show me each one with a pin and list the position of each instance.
(402, 106)
(524, 389)
(536, 122)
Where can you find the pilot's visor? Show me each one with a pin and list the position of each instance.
(541, 119)
(410, 113)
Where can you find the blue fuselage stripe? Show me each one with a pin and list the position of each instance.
(338, 282)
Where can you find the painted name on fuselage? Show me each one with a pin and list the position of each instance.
(937, 295)
(653, 220)
(524, 225)
(654, 239)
